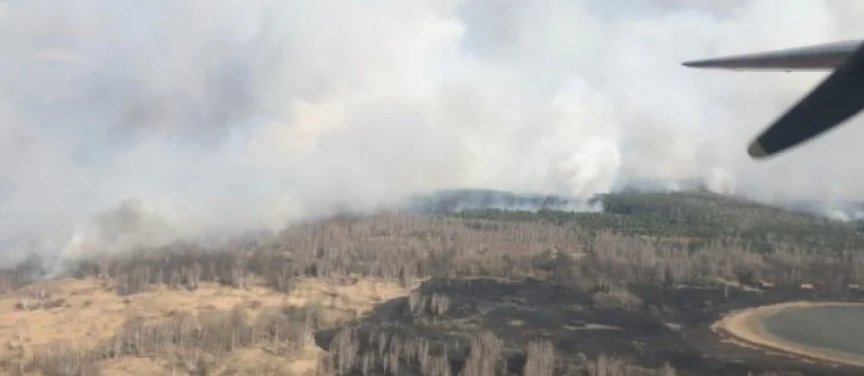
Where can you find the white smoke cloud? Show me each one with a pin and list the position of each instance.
(229, 116)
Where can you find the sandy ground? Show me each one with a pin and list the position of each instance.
(86, 311)
(742, 327)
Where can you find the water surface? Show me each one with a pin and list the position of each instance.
(832, 329)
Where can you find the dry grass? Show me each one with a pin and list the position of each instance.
(590, 326)
(88, 310)
(133, 366)
(91, 311)
(259, 362)
(360, 297)
(738, 285)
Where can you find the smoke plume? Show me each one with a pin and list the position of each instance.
(125, 122)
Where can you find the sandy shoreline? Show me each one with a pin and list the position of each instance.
(743, 327)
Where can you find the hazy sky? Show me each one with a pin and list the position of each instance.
(227, 115)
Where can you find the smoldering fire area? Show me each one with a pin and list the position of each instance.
(222, 117)
(260, 179)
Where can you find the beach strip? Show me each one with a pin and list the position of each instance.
(744, 328)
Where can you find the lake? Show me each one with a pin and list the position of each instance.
(832, 330)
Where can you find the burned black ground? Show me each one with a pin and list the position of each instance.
(671, 325)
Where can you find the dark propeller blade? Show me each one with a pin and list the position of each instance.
(835, 100)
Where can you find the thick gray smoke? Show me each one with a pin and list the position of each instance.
(216, 116)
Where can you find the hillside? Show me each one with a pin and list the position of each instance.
(457, 200)
(632, 291)
(705, 216)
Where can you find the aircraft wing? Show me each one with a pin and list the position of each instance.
(818, 57)
(835, 100)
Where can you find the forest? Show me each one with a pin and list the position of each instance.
(603, 261)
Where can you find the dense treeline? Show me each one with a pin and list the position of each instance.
(404, 248)
(704, 216)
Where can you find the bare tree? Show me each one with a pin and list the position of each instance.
(540, 358)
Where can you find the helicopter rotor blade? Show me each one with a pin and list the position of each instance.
(835, 100)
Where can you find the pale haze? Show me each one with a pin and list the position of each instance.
(193, 118)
